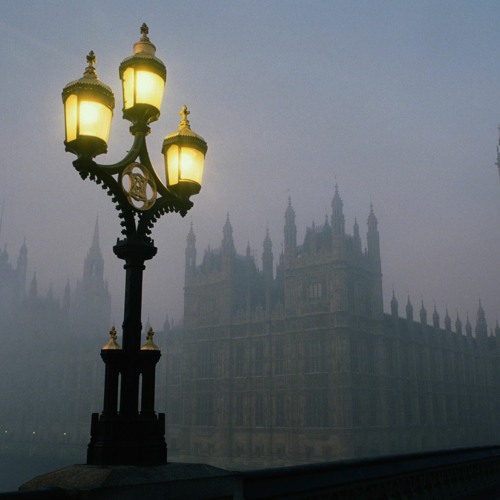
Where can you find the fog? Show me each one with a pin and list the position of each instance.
(397, 103)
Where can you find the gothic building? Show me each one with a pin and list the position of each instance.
(298, 362)
(51, 374)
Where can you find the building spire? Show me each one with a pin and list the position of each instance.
(93, 268)
(468, 327)
(191, 237)
(394, 305)
(190, 254)
(447, 321)
(338, 220)
(357, 239)
(423, 315)
(33, 287)
(458, 325)
(95, 236)
(409, 309)
(267, 257)
(227, 238)
(373, 238)
(435, 318)
(481, 329)
(289, 212)
(290, 232)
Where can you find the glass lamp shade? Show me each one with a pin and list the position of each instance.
(88, 110)
(143, 78)
(184, 152)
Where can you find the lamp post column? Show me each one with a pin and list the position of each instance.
(134, 253)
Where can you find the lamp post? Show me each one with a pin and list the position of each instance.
(128, 431)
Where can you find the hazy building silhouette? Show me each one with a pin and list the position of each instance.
(297, 362)
(51, 374)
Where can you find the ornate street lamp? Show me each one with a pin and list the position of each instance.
(128, 431)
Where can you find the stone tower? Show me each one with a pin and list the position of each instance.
(329, 272)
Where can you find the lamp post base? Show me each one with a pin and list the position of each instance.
(127, 441)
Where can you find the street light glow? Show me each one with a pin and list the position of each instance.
(93, 119)
(142, 87)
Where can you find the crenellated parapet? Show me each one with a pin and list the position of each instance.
(479, 333)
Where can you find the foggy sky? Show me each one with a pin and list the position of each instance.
(396, 102)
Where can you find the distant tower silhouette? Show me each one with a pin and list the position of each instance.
(267, 258)
(33, 293)
(338, 226)
(435, 318)
(190, 264)
(373, 250)
(409, 309)
(447, 321)
(458, 325)
(290, 233)
(394, 305)
(481, 329)
(91, 308)
(338, 220)
(227, 248)
(22, 268)
(423, 315)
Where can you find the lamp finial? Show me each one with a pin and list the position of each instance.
(150, 345)
(112, 344)
(144, 32)
(184, 112)
(90, 69)
(91, 58)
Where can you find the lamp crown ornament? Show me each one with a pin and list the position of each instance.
(90, 78)
(150, 345)
(144, 45)
(90, 69)
(184, 112)
(112, 344)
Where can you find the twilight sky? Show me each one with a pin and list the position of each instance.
(396, 102)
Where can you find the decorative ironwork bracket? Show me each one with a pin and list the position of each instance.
(138, 193)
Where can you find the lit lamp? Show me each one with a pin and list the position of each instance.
(143, 78)
(129, 431)
(88, 109)
(184, 153)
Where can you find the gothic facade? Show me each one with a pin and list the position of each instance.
(297, 362)
(51, 375)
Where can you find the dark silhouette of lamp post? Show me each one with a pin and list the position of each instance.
(128, 431)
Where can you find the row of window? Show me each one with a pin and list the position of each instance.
(354, 355)
(208, 366)
(315, 409)
(255, 412)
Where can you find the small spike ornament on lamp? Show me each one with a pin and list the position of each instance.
(128, 431)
